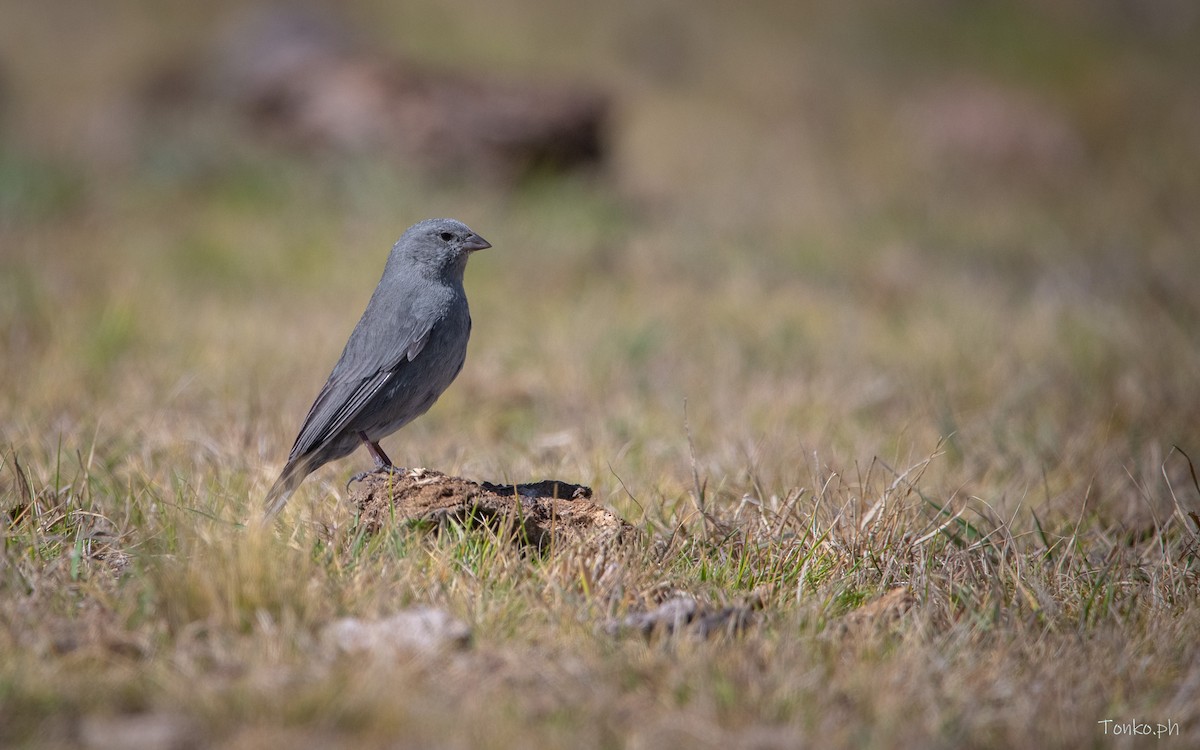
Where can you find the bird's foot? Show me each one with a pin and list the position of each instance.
(389, 470)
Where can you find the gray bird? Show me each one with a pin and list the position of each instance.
(408, 346)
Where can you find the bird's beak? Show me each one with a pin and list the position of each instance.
(475, 242)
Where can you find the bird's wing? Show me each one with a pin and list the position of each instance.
(365, 368)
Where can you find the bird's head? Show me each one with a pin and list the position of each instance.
(439, 245)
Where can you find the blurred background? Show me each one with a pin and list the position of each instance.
(838, 232)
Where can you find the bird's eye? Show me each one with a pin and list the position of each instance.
(446, 236)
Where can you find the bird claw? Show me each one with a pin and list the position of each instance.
(394, 471)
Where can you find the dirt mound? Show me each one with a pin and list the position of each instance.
(544, 515)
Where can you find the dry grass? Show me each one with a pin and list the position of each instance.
(927, 290)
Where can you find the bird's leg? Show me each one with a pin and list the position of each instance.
(381, 459)
(383, 464)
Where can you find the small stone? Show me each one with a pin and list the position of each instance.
(417, 631)
(669, 617)
(684, 615)
(131, 732)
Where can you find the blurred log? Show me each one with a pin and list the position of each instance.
(304, 79)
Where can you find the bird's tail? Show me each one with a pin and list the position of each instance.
(289, 479)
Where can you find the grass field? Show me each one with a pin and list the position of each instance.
(898, 300)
